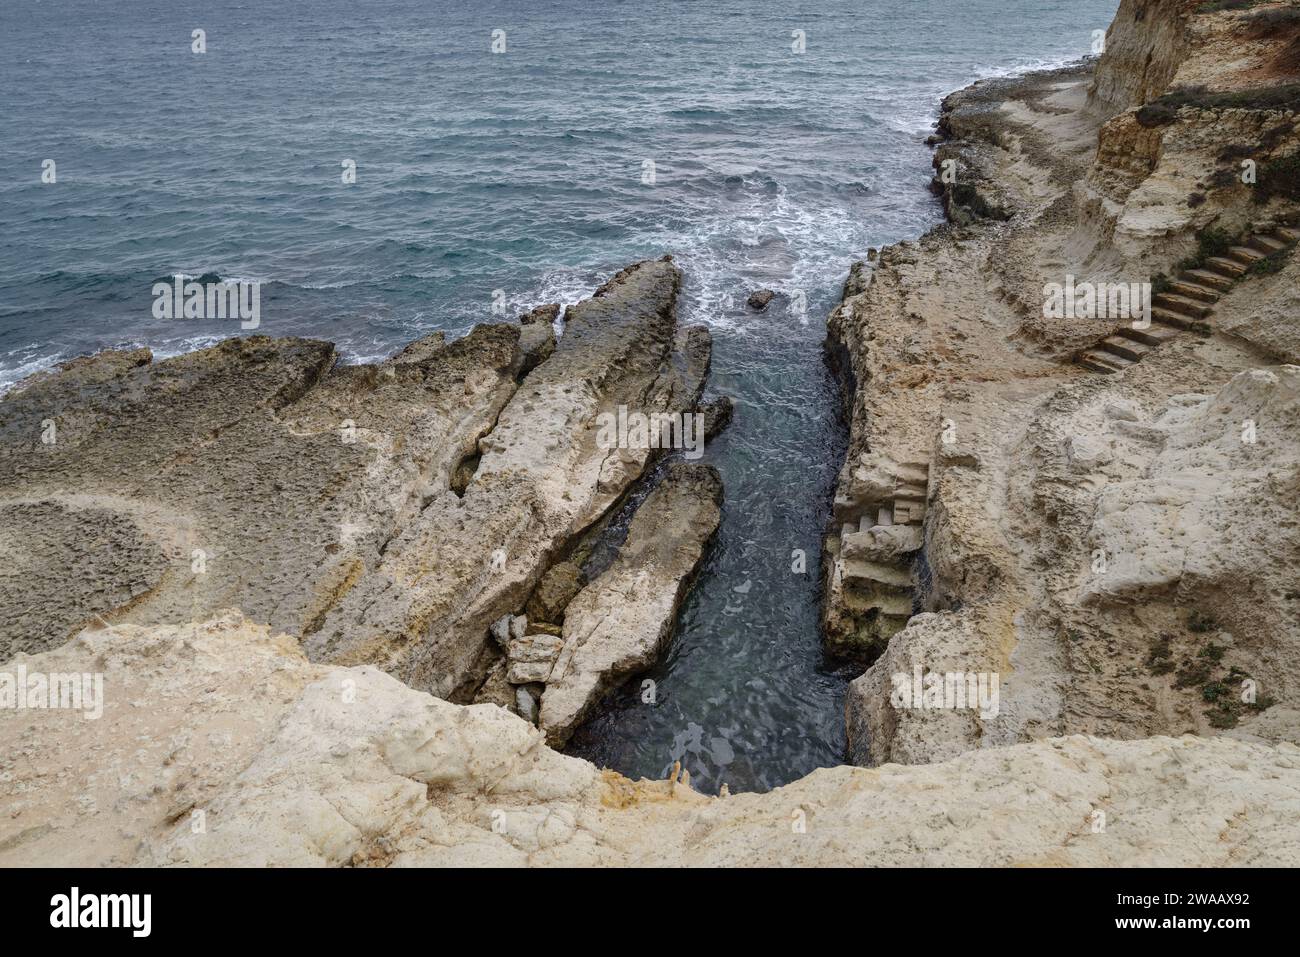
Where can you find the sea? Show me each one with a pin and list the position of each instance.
(388, 168)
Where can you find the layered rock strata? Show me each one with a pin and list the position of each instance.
(1119, 551)
(386, 514)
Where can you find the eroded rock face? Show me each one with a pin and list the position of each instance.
(1145, 45)
(621, 623)
(1087, 539)
(1263, 313)
(387, 513)
(541, 479)
(1221, 492)
(220, 744)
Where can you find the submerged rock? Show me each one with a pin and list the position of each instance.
(759, 299)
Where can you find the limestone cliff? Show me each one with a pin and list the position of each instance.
(1111, 505)
(291, 576)
(220, 744)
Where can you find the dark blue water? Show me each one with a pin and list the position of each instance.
(519, 172)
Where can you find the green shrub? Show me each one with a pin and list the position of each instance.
(1278, 177)
(1210, 242)
(1157, 114)
(1271, 264)
(1274, 23)
(1283, 98)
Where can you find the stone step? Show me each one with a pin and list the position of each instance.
(895, 604)
(1194, 290)
(912, 493)
(1207, 278)
(1225, 267)
(857, 571)
(1268, 244)
(845, 509)
(1182, 304)
(1288, 234)
(1170, 318)
(909, 513)
(913, 473)
(1245, 255)
(1154, 335)
(884, 543)
(1105, 362)
(1125, 348)
(885, 516)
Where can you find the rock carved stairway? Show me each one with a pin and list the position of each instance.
(871, 582)
(1187, 304)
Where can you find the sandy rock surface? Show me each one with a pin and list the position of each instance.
(220, 744)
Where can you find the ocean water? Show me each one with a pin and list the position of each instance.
(518, 177)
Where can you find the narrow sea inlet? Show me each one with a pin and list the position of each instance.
(763, 148)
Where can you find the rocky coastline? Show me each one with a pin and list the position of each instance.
(346, 614)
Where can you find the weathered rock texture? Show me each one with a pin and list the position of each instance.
(620, 623)
(423, 613)
(222, 745)
(1121, 551)
(386, 514)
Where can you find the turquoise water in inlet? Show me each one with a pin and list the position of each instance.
(522, 172)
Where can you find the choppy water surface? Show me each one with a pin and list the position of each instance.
(519, 172)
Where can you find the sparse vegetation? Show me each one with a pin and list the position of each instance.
(1156, 114)
(1210, 242)
(1213, 652)
(1279, 177)
(1192, 674)
(1272, 263)
(1225, 695)
(1160, 659)
(1283, 97)
(1215, 6)
(1276, 22)
(1224, 692)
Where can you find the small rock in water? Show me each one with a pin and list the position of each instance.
(759, 300)
(547, 313)
(717, 414)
